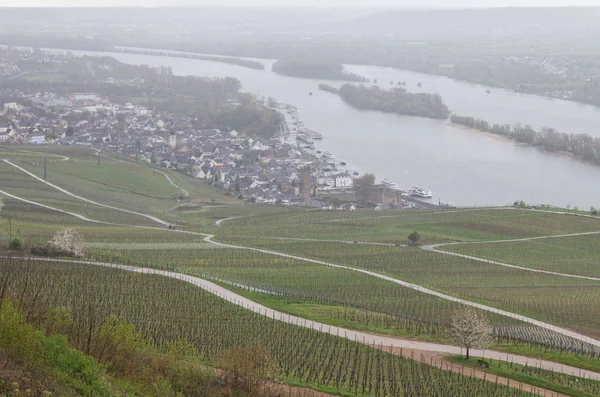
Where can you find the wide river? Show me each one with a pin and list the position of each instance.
(460, 167)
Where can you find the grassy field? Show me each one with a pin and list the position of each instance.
(119, 183)
(166, 311)
(572, 255)
(394, 227)
(20, 184)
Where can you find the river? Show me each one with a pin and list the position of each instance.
(460, 167)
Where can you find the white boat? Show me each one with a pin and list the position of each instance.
(328, 154)
(304, 138)
(312, 134)
(389, 184)
(418, 192)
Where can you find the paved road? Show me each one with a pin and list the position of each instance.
(208, 238)
(352, 242)
(366, 338)
(388, 341)
(434, 248)
(220, 221)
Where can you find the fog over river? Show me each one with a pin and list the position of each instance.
(460, 167)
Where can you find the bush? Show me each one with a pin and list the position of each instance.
(247, 368)
(20, 340)
(15, 244)
(414, 238)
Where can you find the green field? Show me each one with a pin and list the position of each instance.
(334, 296)
(569, 385)
(572, 255)
(167, 311)
(564, 301)
(394, 227)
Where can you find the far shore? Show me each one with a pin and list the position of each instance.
(480, 132)
(503, 138)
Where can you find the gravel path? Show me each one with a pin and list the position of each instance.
(434, 248)
(208, 238)
(377, 340)
(384, 342)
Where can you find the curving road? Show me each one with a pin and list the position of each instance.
(367, 338)
(363, 337)
(208, 238)
(220, 221)
(433, 248)
(352, 242)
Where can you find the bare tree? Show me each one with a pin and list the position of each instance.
(470, 329)
(68, 241)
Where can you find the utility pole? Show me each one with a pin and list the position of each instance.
(44, 167)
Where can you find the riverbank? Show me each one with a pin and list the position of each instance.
(496, 137)
(417, 151)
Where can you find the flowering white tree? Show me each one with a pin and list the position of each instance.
(470, 329)
(68, 241)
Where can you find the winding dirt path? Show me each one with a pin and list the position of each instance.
(183, 191)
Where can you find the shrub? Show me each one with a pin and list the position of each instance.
(248, 367)
(414, 238)
(15, 244)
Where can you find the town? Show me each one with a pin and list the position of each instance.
(284, 168)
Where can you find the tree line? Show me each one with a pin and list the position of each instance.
(582, 146)
(233, 61)
(396, 100)
(328, 88)
(316, 70)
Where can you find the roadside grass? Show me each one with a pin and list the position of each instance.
(562, 357)
(559, 300)
(335, 315)
(569, 385)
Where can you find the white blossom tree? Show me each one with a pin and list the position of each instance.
(68, 241)
(470, 329)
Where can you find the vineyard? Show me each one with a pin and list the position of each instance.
(572, 255)
(167, 311)
(363, 239)
(393, 226)
(560, 300)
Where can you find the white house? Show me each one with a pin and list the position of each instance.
(37, 139)
(85, 96)
(343, 181)
(12, 106)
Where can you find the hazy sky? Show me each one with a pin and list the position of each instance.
(316, 3)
